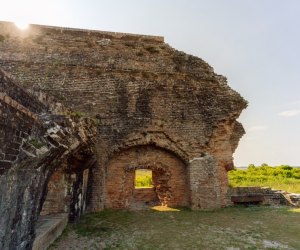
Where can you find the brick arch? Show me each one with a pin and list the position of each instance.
(158, 139)
(170, 178)
(66, 185)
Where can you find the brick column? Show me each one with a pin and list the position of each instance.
(204, 183)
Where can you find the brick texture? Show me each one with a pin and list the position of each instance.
(142, 95)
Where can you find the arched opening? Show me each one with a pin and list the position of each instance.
(65, 196)
(169, 179)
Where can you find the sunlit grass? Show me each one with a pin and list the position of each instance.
(165, 209)
(228, 228)
(281, 177)
(295, 210)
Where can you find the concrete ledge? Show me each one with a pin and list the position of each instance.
(48, 228)
(247, 198)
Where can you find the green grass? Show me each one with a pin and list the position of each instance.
(229, 228)
(281, 177)
(143, 178)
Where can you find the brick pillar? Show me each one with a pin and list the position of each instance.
(204, 183)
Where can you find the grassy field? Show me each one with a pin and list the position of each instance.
(280, 177)
(230, 228)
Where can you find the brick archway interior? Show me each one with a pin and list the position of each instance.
(169, 176)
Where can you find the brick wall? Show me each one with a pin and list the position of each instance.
(140, 91)
(169, 176)
(34, 142)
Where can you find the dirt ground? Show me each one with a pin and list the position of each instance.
(159, 228)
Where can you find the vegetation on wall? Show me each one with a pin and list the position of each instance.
(36, 143)
(282, 177)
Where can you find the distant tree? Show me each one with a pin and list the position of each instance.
(286, 167)
(264, 165)
(251, 165)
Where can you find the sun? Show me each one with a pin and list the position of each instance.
(22, 25)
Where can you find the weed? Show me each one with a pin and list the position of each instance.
(78, 114)
(152, 49)
(97, 121)
(36, 143)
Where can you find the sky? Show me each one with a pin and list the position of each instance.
(254, 43)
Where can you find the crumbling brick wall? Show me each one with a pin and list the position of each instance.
(141, 92)
(169, 175)
(35, 141)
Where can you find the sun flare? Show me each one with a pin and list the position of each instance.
(22, 25)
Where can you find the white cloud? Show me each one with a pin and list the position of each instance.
(290, 113)
(295, 103)
(257, 128)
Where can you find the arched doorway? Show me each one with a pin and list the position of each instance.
(169, 178)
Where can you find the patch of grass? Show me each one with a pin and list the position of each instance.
(97, 121)
(152, 49)
(235, 227)
(36, 143)
(78, 114)
(281, 177)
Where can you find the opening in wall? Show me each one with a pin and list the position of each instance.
(143, 178)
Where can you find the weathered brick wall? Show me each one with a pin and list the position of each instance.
(17, 120)
(57, 190)
(140, 90)
(169, 176)
(34, 142)
(205, 183)
(143, 198)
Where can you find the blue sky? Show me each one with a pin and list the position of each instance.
(255, 43)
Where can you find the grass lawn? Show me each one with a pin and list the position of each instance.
(229, 228)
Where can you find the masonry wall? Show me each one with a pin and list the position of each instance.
(140, 91)
(169, 176)
(34, 142)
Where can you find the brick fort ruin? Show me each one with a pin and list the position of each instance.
(82, 110)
